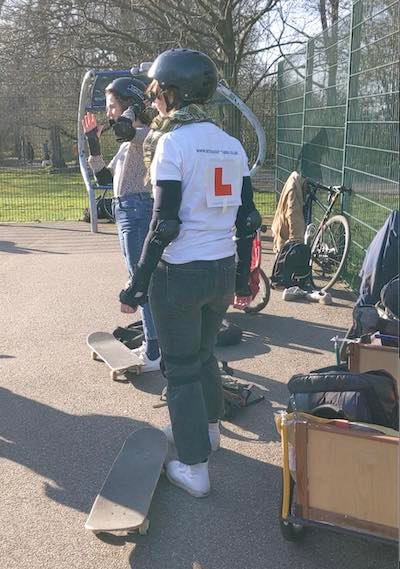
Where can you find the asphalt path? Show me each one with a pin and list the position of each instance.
(62, 421)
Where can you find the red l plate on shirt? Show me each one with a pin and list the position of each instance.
(220, 188)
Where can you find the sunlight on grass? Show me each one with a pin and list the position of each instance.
(31, 196)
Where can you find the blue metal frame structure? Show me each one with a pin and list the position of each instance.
(92, 99)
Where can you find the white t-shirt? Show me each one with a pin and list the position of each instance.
(211, 165)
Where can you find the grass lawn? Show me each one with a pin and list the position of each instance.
(30, 195)
(265, 202)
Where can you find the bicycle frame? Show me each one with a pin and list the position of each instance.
(334, 193)
(254, 282)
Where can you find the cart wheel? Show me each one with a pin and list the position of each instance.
(291, 532)
(144, 528)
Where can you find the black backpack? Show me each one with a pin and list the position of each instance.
(335, 392)
(292, 265)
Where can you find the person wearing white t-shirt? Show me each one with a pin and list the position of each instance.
(202, 190)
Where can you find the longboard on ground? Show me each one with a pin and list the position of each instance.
(123, 502)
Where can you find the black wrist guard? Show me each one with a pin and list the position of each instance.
(136, 293)
(93, 142)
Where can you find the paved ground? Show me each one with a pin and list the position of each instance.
(62, 420)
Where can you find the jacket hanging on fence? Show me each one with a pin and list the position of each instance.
(288, 223)
(381, 262)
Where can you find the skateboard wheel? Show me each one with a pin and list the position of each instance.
(114, 375)
(144, 528)
(94, 356)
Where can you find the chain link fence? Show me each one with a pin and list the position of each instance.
(338, 117)
(40, 178)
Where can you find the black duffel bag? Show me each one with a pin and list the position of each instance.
(335, 392)
(132, 336)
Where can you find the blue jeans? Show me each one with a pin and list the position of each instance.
(132, 215)
(188, 303)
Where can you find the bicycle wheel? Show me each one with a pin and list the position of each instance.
(329, 251)
(261, 299)
(108, 209)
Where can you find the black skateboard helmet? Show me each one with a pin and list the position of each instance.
(129, 90)
(192, 73)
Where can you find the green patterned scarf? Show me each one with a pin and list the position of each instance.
(161, 125)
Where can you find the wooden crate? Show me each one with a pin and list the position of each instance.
(366, 357)
(347, 477)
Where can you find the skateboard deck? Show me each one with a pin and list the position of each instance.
(118, 357)
(124, 500)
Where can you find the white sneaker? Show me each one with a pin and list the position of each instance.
(213, 433)
(139, 351)
(293, 293)
(320, 296)
(149, 365)
(193, 478)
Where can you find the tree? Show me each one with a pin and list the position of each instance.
(45, 46)
(51, 42)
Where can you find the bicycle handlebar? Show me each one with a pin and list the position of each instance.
(334, 189)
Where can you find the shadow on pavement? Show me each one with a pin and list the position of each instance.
(286, 331)
(11, 247)
(187, 533)
(73, 452)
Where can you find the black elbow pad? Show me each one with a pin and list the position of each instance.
(253, 221)
(248, 225)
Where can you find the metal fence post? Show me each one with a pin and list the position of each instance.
(345, 197)
(82, 149)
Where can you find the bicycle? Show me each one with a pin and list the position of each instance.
(330, 240)
(259, 282)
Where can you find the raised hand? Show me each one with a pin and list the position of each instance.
(89, 124)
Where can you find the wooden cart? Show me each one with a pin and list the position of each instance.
(338, 475)
(366, 357)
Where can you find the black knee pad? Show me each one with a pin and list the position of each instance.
(182, 370)
(179, 381)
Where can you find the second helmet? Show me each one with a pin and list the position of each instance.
(131, 90)
(192, 73)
